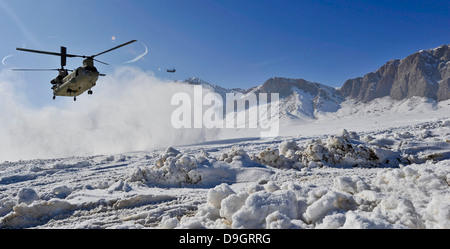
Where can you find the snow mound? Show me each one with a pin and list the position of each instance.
(27, 195)
(416, 196)
(341, 150)
(138, 200)
(344, 149)
(176, 169)
(235, 155)
(172, 169)
(272, 157)
(24, 215)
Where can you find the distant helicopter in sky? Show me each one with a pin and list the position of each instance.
(173, 70)
(79, 80)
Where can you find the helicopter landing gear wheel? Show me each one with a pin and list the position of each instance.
(74, 98)
(90, 92)
(54, 97)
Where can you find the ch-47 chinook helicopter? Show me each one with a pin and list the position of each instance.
(79, 80)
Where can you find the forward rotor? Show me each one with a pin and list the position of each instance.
(52, 69)
(63, 53)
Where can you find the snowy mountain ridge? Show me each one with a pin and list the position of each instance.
(425, 73)
(299, 99)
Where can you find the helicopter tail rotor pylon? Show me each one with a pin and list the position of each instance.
(63, 56)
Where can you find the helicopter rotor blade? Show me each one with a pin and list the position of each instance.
(63, 49)
(38, 51)
(20, 69)
(76, 55)
(109, 50)
(101, 62)
(53, 69)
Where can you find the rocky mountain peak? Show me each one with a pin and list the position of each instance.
(425, 73)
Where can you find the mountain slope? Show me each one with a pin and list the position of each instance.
(215, 88)
(299, 98)
(425, 73)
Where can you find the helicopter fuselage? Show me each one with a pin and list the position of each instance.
(77, 82)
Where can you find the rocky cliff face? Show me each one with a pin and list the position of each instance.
(425, 73)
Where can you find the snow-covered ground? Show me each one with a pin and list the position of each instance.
(381, 165)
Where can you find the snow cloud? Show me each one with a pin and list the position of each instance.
(129, 111)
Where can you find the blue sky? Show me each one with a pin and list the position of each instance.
(232, 43)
